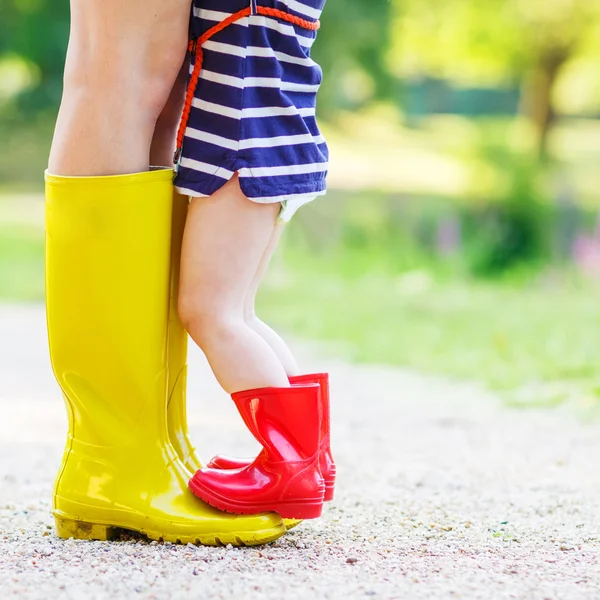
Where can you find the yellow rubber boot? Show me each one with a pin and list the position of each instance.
(108, 244)
(178, 342)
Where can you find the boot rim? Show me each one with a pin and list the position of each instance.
(263, 393)
(155, 174)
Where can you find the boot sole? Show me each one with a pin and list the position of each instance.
(291, 523)
(83, 530)
(307, 509)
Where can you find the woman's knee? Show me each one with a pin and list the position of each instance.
(118, 82)
(127, 50)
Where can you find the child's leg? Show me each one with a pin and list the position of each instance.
(272, 338)
(225, 239)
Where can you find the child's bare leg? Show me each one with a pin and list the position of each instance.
(278, 345)
(225, 239)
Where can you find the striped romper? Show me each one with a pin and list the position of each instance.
(253, 110)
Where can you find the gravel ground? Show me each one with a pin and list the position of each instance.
(442, 493)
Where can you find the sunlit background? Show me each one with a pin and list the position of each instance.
(461, 233)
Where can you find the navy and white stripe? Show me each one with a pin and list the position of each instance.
(254, 107)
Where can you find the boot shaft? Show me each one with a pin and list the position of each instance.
(178, 338)
(107, 281)
(323, 380)
(178, 344)
(285, 421)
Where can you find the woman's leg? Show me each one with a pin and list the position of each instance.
(122, 62)
(225, 239)
(272, 338)
(165, 131)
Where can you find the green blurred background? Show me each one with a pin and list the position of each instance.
(461, 233)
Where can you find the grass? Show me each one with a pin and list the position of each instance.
(21, 263)
(537, 342)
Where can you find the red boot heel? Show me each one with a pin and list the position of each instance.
(285, 477)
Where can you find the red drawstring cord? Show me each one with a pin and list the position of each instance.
(195, 46)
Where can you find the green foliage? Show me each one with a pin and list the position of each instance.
(490, 41)
(21, 263)
(512, 231)
(37, 31)
(352, 48)
(24, 152)
(375, 232)
(499, 43)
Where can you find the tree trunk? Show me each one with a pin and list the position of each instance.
(537, 96)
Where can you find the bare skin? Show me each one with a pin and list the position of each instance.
(225, 240)
(122, 63)
(274, 340)
(163, 144)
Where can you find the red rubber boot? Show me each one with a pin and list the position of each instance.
(326, 462)
(285, 476)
